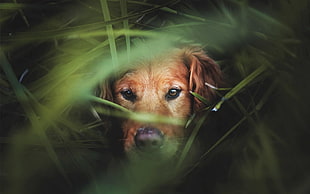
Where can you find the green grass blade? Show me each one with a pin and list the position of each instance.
(230, 131)
(111, 37)
(199, 97)
(11, 6)
(241, 85)
(37, 126)
(122, 112)
(109, 103)
(123, 4)
(190, 141)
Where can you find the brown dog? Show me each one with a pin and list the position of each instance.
(161, 85)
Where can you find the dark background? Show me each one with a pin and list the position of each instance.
(266, 149)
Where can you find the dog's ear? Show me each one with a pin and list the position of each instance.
(202, 70)
(106, 91)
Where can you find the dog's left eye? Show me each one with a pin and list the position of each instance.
(128, 95)
(173, 93)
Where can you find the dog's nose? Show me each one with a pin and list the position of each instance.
(149, 138)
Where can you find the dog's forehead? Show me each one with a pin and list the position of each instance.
(162, 72)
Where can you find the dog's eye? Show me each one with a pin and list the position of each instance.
(128, 95)
(172, 94)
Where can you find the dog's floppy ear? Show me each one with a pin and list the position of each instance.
(106, 91)
(202, 70)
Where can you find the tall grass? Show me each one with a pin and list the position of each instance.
(52, 139)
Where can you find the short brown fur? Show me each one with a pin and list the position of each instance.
(187, 69)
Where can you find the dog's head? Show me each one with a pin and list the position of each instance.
(161, 85)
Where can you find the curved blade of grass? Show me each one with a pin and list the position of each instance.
(141, 117)
(109, 103)
(241, 85)
(111, 37)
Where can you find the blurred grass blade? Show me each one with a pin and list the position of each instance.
(36, 124)
(141, 117)
(190, 140)
(59, 74)
(111, 37)
(73, 33)
(271, 20)
(18, 89)
(230, 131)
(109, 103)
(21, 12)
(11, 6)
(263, 17)
(123, 4)
(169, 10)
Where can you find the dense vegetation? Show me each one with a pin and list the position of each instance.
(55, 53)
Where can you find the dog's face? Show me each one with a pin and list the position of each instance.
(160, 89)
(162, 86)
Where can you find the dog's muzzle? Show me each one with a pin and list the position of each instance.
(149, 138)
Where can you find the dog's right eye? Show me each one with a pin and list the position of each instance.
(128, 95)
(173, 94)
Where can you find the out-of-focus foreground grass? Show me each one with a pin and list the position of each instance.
(55, 53)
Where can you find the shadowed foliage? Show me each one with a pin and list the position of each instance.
(56, 134)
